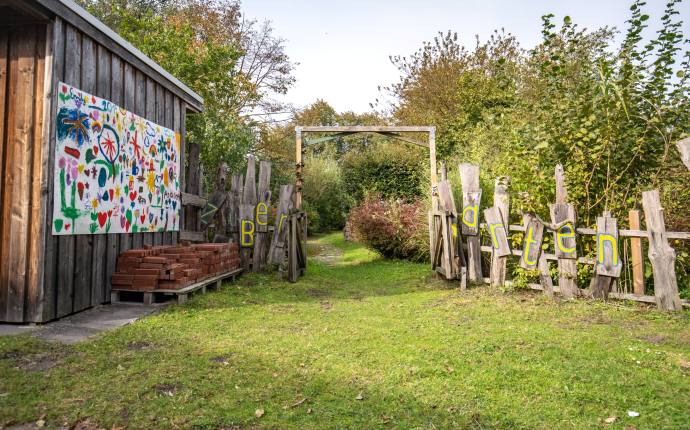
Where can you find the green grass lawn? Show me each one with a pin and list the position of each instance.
(361, 342)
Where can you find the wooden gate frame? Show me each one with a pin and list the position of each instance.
(340, 131)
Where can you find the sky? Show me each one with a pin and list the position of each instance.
(342, 47)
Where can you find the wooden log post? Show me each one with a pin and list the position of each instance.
(608, 266)
(247, 207)
(261, 219)
(235, 198)
(684, 149)
(276, 253)
(531, 244)
(502, 207)
(661, 255)
(471, 198)
(564, 237)
(636, 251)
(451, 261)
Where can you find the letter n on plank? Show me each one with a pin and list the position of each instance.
(608, 258)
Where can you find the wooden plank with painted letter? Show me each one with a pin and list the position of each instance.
(531, 244)
(261, 218)
(497, 232)
(247, 233)
(608, 257)
(276, 252)
(471, 196)
(497, 273)
(661, 255)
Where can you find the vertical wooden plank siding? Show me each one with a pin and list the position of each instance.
(117, 97)
(50, 271)
(140, 96)
(148, 93)
(99, 283)
(159, 118)
(34, 289)
(167, 237)
(17, 155)
(84, 242)
(127, 102)
(4, 69)
(176, 128)
(66, 244)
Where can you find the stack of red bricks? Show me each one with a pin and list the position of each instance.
(173, 267)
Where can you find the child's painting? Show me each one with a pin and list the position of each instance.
(115, 172)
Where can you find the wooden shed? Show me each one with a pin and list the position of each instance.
(43, 43)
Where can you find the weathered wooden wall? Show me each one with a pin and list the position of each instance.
(22, 72)
(77, 268)
(43, 277)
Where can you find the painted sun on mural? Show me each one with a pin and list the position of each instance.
(115, 172)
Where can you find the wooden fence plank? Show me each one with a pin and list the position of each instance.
(534, 234)
(471, 198)
(261, 218)
(636, 251)
(128, 102)
(684, 149)
(661, 255)
(502, 206)
(276, 252)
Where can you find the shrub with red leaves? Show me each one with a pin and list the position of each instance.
(394, 229)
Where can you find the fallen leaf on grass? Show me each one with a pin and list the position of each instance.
(309, 410)
(633, 414)
(359, 397)
(610, 420)
(40, 423)
(259, 413)
(299, 402)
(684, 364)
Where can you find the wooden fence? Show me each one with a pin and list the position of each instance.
(458, 239)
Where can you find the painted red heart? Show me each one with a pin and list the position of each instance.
(67, 227)
(132, 195)
(142, 218)
(80, 189)
(127, 224)
(110, 213)
(102, 218)
(110, 192)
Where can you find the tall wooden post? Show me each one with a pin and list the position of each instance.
(567, 261)
(502, 204)
(662, 256)
(636, 251)
(433, 168)
(298, 167)
(471, 199)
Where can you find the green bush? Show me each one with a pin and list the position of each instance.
(392, 172)
(325, 199)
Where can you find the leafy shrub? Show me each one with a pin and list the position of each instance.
(325, 199)
(391, 172)
(393, 228)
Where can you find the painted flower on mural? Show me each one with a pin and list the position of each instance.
(104, 169)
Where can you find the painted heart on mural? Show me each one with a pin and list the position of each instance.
(102, 218)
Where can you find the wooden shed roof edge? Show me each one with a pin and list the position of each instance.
(195, 100)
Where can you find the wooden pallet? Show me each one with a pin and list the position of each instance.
(182, 293)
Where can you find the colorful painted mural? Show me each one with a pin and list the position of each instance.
(115, 172)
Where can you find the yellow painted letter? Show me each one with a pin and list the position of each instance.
(247, 233)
